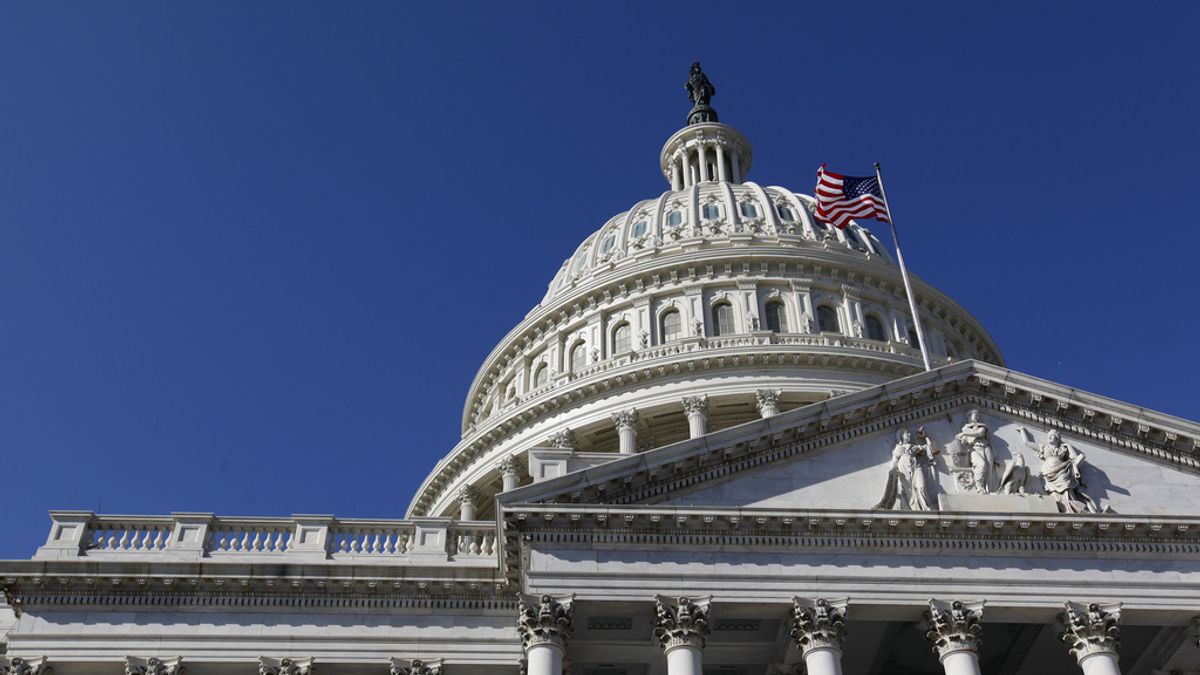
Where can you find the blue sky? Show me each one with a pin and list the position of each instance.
(251, 254)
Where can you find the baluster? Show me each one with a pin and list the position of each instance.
(123, 544)
(475, 544)
(254, 543)
(243, 540)
(344, 544)
(404, 543)
(375, 546)
(489, 544)
(270, 540)
(159, 544)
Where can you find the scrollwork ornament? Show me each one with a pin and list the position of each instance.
(1089, 630)
(544, 620)
(681, 621)
(563, 438)
(818, 624)
(954, 626)
(287, 666)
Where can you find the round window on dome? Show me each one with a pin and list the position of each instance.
(608, 243)
(639, 228)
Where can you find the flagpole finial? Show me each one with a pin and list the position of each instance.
(876, 166)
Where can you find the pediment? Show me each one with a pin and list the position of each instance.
(843, 454)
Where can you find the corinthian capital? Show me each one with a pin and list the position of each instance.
(681, 621)
(509, 465)
(819, 623)
(563, 438)
(270, 666)
(954, 626)
(416, 667)
(153, 666)
(544, 619)
(468, 494)
(696, 405)
(626, 419)
(767, 398)
(1090, 629)
(15, 665)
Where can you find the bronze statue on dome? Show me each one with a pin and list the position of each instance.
(699, 89)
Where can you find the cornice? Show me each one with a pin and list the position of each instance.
(667, 471)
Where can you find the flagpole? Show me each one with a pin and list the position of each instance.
(912, 300)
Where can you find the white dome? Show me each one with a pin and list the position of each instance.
(718, 293)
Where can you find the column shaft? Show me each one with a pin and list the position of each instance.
(702, 159)
(684, 660)
(627, 440)
(510, 481)
(722, 175)
(1100, 663)
(697, 424)
(961, 663)
(826, 661)
(545, 659)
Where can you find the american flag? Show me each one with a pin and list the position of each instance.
(840, 198)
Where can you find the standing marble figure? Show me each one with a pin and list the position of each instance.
(1062, 473)
(911, 475)
(974, 439)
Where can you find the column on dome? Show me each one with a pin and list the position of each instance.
(641, 323)
(737, 167)
(626, 422)
(955, 632)
(135, 665)
(686, 160)
(467, 496)
(819, 628)
(544, 624)
(676, 176)
(510, 472)
(806, 319)
(416, 667)
(722, 174)
(767, 402)
(681, 628)
(696, 408)
(854, 313)
(702, 160)
(1091, 633)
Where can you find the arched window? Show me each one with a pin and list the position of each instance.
(875, 329)
(722, 316)
(710, 211)
(672, 326)
(776, 317)
(621, 335)
(541, 375)
(827, 320)
(913, 339)
(577, 359)
(748, 209)
(608, 243)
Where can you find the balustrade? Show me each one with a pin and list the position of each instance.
(189, 536)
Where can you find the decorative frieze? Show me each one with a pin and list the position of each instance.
(954, 626)
(416, 667)
(545, 619)
(681, 621)
(153, 666)
(1090, 629)
(819, 623)
(285, 666)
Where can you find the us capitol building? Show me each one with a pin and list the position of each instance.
(712, 449)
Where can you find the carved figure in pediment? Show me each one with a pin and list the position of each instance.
(974, 438)
(698, 327)
(911, 474)
(1016, 476)
(806, 322)
(1062, 473)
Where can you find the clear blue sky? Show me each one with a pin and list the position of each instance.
(251, 254)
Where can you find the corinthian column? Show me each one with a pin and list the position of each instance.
(510, 472)
(818, 627)
(696, 408)
(681, 626)
(467, 496)
(544, 625)
(767, 401)
(1091, 633)
(626, 422)
(954, 630)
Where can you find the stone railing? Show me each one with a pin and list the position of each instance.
(300, 538)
